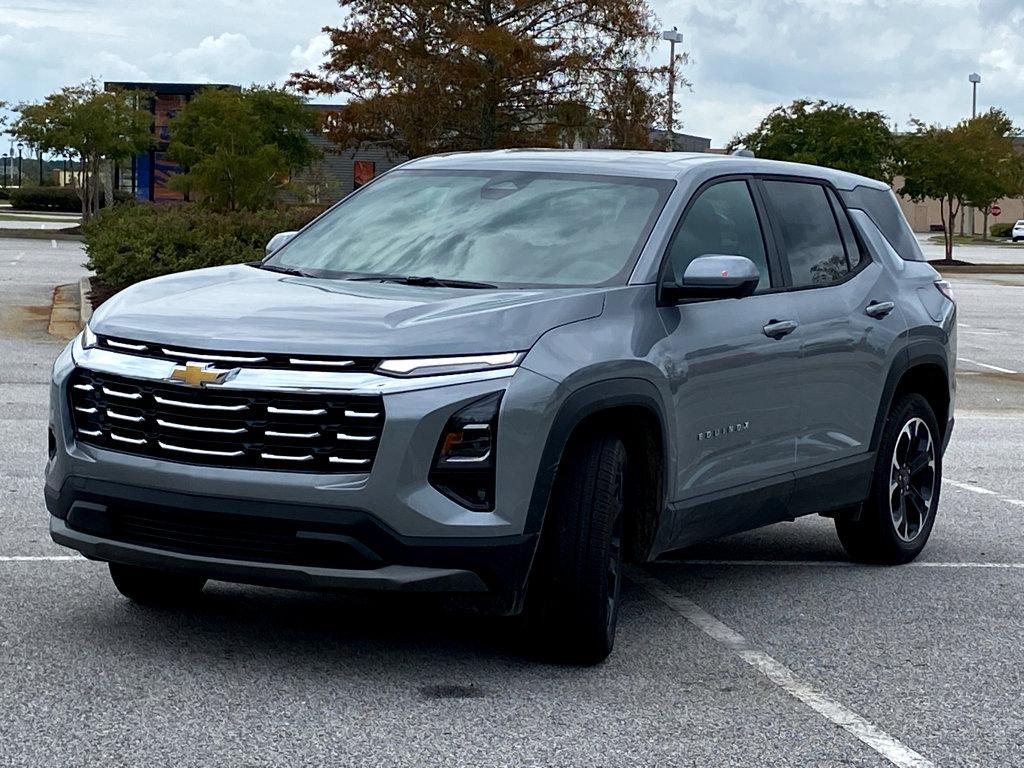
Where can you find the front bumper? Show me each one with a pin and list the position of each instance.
(303, 547)
(422, 540)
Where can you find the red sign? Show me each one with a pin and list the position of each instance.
(362, 173)
(995, 210)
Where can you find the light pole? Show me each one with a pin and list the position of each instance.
(4, 156)
(673, 36)
(974, 78)
(20, 147)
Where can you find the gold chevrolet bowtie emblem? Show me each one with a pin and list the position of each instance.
(199, 374)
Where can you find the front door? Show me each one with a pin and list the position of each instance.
(733, 364)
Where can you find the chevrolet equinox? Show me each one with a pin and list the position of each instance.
(506, 374)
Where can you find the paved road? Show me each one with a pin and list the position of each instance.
(1006, 253)
(922, 663)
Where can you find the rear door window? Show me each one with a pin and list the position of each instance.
(812, 245)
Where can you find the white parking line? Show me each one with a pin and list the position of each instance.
(1000, 369)
(885, 745)
(982, 490)
(839, 564)
(4, 558)
(53, 242)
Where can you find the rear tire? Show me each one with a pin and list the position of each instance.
(154, 587)
(574, 593)
(897, 518)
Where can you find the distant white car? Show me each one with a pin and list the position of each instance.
(1018, 231)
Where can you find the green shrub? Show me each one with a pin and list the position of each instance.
(1001, 229)
(5, 193)
(46, 199)
(130, 243)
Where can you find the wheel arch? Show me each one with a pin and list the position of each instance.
(922, 368)
(632, 409)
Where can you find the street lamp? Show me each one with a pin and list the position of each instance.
(974, 78)
(20, 148)
(673, 36)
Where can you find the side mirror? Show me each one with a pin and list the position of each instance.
(279, 240)
(713, 276)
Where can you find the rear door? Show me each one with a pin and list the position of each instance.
(845, 305)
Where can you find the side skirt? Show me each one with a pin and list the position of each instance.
(821, 489)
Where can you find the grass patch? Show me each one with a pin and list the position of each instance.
(975, 240)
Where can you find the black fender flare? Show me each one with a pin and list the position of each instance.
(578, 406)
(915, 353)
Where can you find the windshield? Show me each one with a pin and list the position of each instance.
(500, 228)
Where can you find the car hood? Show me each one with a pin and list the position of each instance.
(240, 308)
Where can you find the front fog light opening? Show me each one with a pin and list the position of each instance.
(464, 462)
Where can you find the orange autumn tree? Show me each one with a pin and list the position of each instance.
(423, 76)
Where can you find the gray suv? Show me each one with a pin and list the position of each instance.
(505, 374)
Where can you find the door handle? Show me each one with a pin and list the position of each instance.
(879, 309)
(776, 329)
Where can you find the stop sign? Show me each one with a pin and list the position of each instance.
(995, 210)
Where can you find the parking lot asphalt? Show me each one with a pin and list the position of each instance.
(766, 648)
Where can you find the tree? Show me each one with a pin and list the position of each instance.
(94, 125)
(995, 173)
(427, 76)
(238, 147)
(628, 108)
(825, 134)
(969, 163)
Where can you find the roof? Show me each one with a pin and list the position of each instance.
(637, 163)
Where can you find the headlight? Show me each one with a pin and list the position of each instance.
(88, 338)
(457, 364)
(463, 468)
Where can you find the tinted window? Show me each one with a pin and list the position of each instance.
(721, 221)
(810, 236)
(853, 255)
(884, 210)
(501, 227)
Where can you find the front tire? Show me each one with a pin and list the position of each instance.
(897, 519)
(154, 587)
(575, 592)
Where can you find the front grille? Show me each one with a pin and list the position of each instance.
(334, 433)
(182, 355)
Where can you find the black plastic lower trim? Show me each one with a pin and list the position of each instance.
(271, 537)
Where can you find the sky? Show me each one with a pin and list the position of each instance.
(904, 58)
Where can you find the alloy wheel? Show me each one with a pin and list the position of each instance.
(912, 479)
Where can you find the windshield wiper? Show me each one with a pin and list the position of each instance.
(424, 280)
(281, 269)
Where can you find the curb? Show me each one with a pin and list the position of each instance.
(39, 234)
(84, 303)
(987, 269)
(65, 312)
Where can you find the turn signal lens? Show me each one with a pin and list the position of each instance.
(945, 289)
(463, 467)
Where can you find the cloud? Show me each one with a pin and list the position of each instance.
(903, 57)
(228, 57)
(900, 57)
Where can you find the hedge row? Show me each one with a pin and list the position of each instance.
(55, 199)
(1001, 229)
(130, 243)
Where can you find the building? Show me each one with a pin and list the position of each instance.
(338, 173)
(147, 174)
